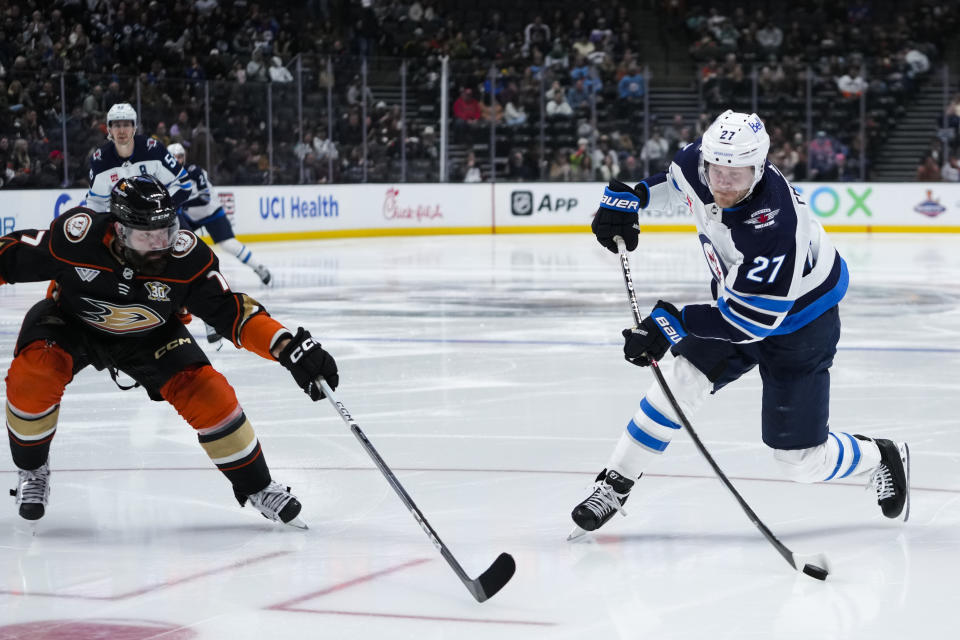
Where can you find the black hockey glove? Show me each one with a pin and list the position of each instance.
(306, 361)
(659, 331)
(618, 214)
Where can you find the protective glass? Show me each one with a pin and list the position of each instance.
(728, 179)
(149, 240)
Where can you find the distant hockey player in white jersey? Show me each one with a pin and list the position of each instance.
(204, 210)
(126, 155)
(777, 281)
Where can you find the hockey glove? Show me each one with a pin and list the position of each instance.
(659, 331)
(306, 361)
(618, 214)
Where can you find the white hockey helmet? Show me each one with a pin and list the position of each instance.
(122, 111)
(176, 150)
(735, 140)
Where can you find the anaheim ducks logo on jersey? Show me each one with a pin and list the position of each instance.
(119, 318)
(185, 243)
(157, 291)
(76, 227)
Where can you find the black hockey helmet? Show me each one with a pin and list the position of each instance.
(142, 202)
(147, 224)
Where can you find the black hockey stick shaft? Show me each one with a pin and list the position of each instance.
(813, 570)
(484, 586)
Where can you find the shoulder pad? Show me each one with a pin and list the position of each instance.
(151, 143)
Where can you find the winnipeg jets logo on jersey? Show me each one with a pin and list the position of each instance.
(157, 291)
(114, 318)
(713, 262)
(763, 218)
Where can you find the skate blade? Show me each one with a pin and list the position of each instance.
(297, 523)
(577, 534)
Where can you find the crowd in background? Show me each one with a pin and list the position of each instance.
(580, 66)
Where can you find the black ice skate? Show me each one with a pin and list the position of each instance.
(276, 503)
(32, 492)
(610, 492)
(891, 478)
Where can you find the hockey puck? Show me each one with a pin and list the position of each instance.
(815, 572)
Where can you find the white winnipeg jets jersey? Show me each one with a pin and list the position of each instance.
(149, 157)
(775, 268)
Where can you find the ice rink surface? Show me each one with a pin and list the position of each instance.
(487, 371)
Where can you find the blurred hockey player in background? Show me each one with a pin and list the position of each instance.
(777, 282)
(121, 279)
(203, 209)
(127, 154)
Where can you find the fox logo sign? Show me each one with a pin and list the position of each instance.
(619, 203)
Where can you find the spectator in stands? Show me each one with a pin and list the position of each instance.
(466, 108)
(557, 57)
(21, 165)
(578, 97)
(93, 101)
(471, 171)
(50, 171)
(560, 169)
(928, 170)
(256, 69)
(822, 151)
(518, 169)
(851, 84)
(535, 35)
(160, 134)
(769, 38)
(514, 114)
(655, 152)
(278, 72)
(558, 107)
(951, 169)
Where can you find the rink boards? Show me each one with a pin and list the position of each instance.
(295, 212)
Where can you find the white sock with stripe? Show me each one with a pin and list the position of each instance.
(655, 422)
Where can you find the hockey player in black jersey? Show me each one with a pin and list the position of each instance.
(127, 154)
(121, 280)
(777, 282)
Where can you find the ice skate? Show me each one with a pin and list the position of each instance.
(276, 503)
(32, 492)
(891, 478)
(263, 273)
(610, 492)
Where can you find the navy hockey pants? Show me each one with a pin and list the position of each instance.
(795, 372)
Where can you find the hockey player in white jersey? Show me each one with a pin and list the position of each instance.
(204, 210)
(777, 282)
(126, 155)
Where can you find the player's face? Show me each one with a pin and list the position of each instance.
(147, 249)
(122, 131)
(180, 158)
(729, 185)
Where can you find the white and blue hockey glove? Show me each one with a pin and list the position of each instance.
(659, 331)
(618, 214)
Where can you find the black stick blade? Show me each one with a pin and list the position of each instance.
(494, 578)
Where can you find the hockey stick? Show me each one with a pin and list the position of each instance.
(814, 565)
(490, 581)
